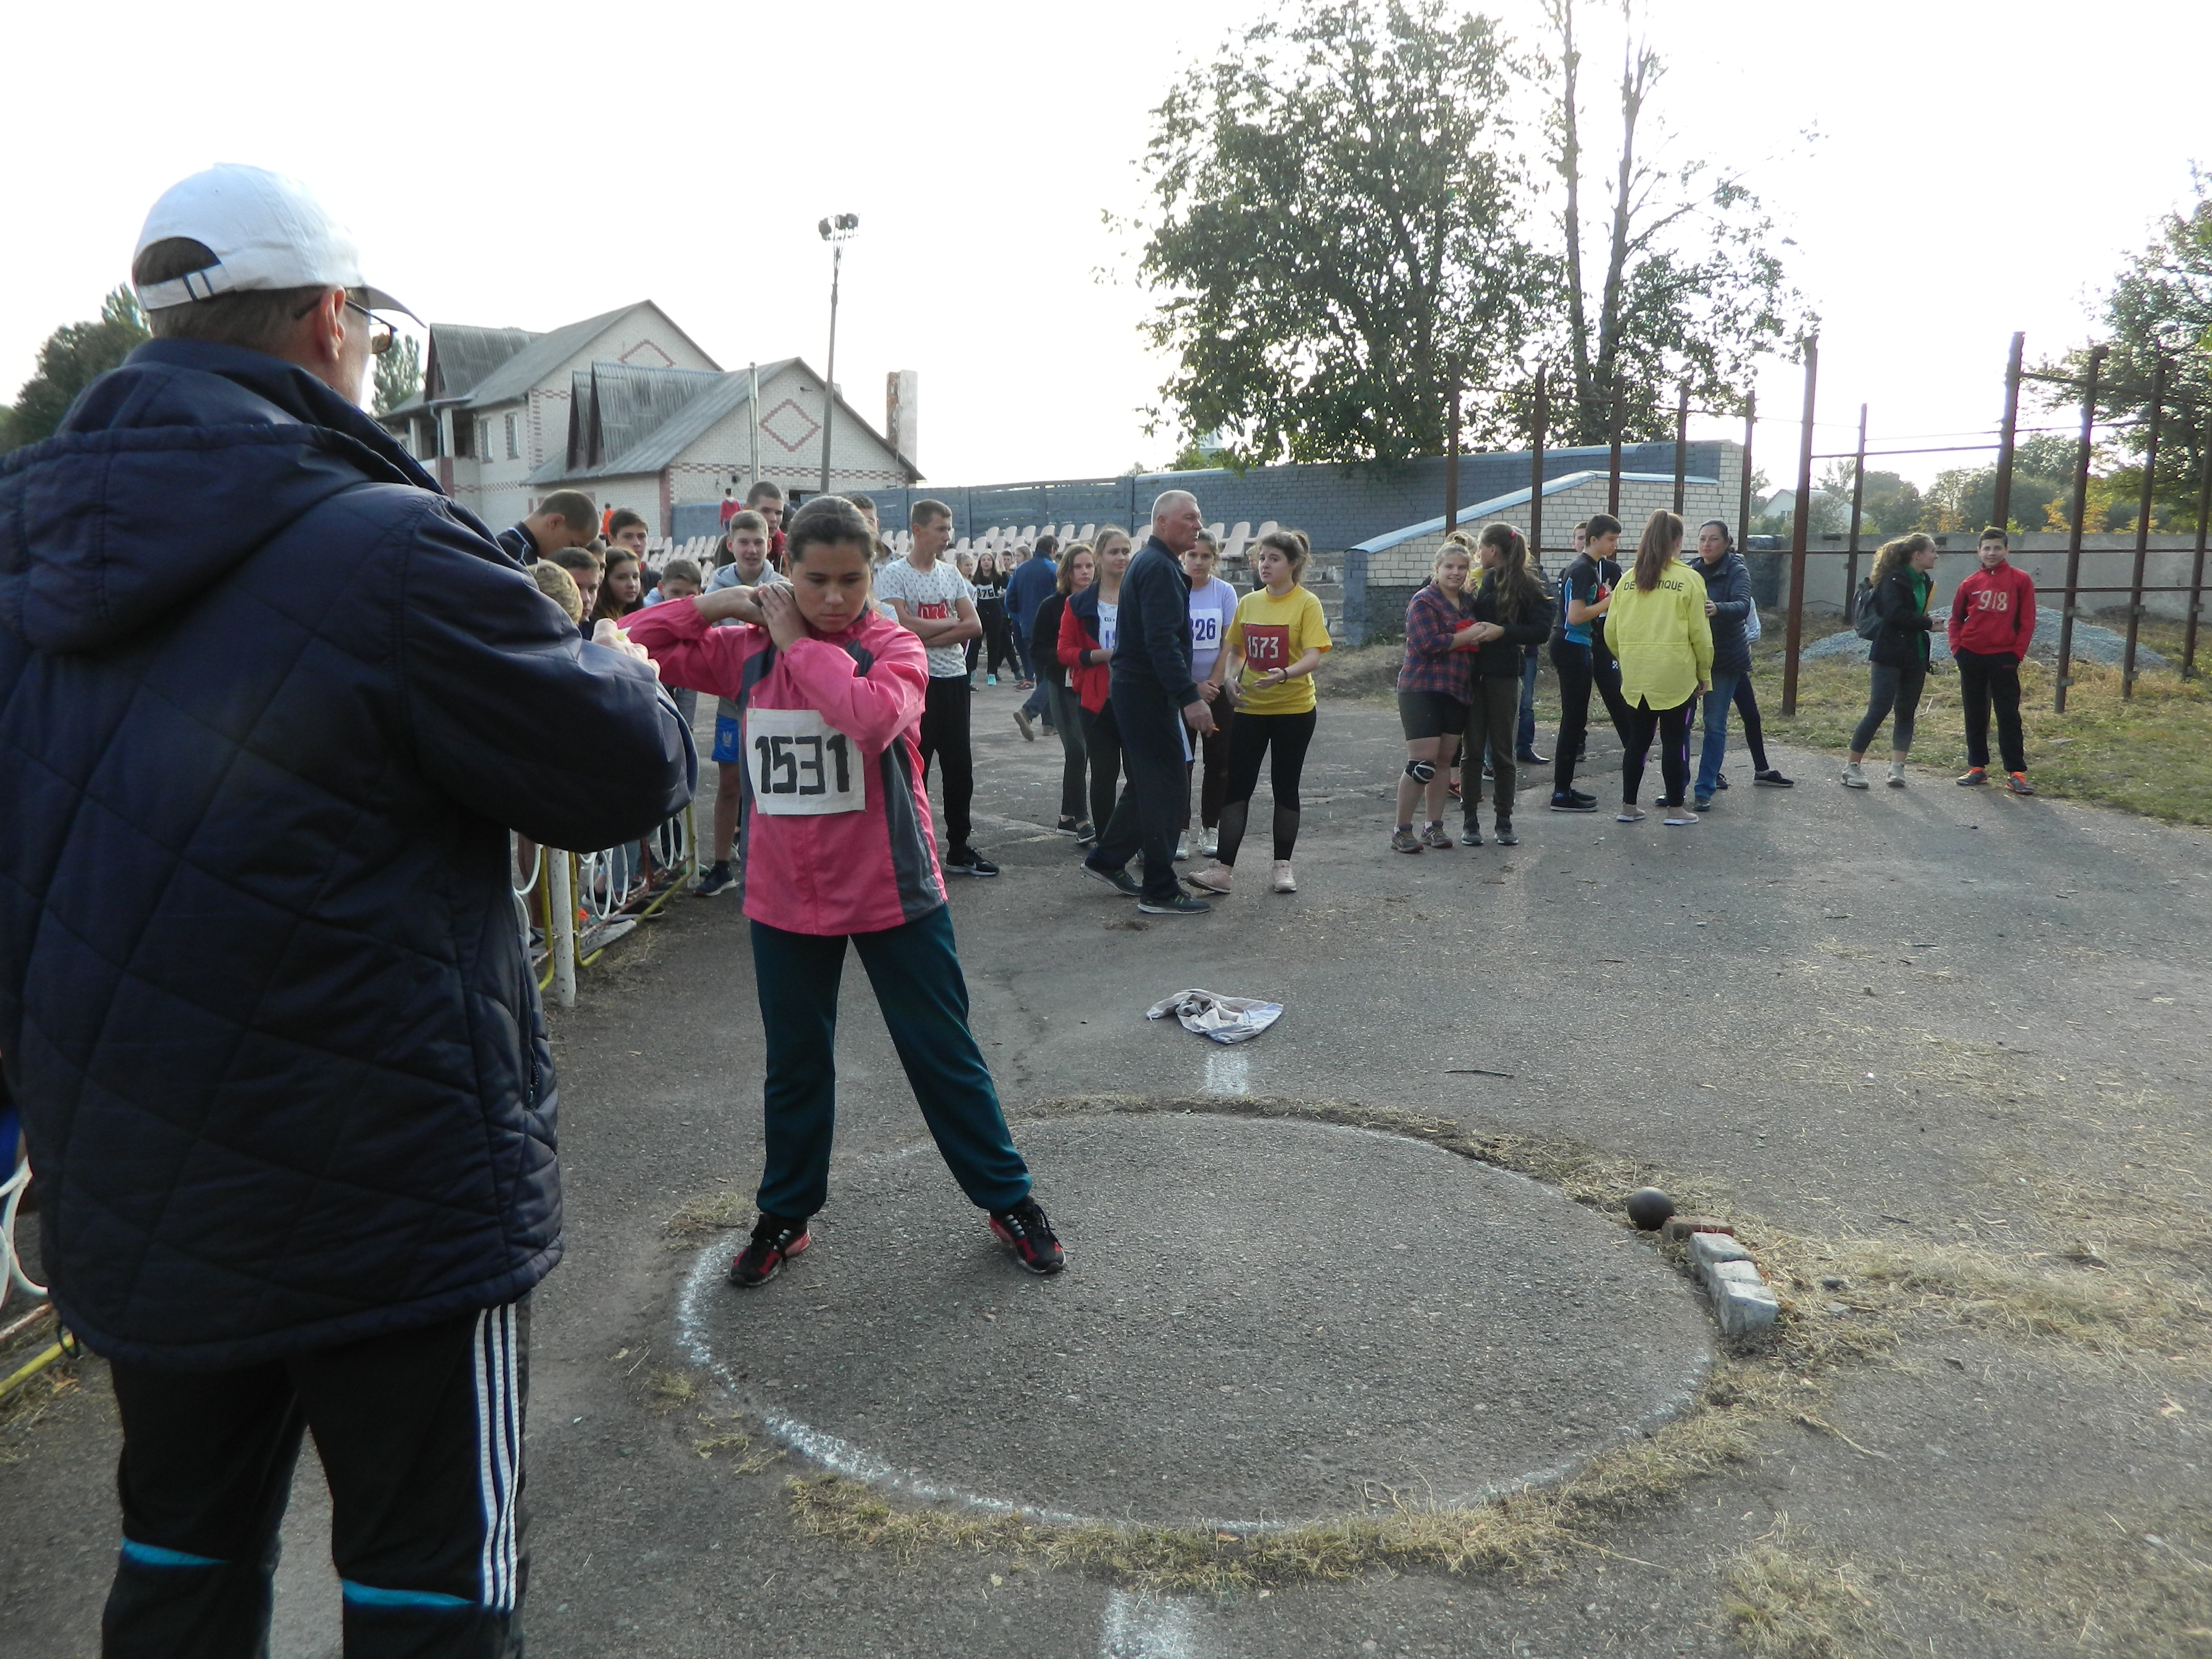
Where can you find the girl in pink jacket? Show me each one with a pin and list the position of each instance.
(837, 845)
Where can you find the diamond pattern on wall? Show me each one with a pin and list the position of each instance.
(789, 425)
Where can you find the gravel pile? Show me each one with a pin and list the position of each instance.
(2091, 644)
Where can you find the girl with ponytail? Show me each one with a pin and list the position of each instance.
(1657, 628)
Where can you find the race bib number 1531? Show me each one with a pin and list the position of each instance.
(802, 766)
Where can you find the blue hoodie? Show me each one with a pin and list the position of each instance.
(268, 703)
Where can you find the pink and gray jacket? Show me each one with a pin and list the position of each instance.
(853, 872)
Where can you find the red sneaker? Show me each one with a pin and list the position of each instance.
(776, 1239)
(1034, 1245)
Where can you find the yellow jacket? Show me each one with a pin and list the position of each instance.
(1664, 639)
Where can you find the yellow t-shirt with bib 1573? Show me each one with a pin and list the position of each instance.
(1270, 633)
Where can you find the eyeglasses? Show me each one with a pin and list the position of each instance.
(379, 344)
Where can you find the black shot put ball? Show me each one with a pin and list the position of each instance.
(1649, 1208)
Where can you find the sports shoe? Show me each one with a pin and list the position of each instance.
(1025, 685)
(1119, 880)
(776, 1239)
(1854, 776)
(1629, 815)
(2018, 783)
(1679, 817)
(1405, 841)
(1574, 801)
(1176, 904)
(1704, 803)
(1488, 770)
(967, 861)
(1977, 777)
(1897, 774)
(1452, 789)
(1719, 782)
(1434, 836)
(1022, 720)
(1283, 881)
(1070, 827)
(990, 679)
(1772, 778)
(1086, 834)
(719, 878)
(1217, 877)
(1470, 834)
(1503, 833)
(1034, 1245)
(1210, 847)
(1182, 848)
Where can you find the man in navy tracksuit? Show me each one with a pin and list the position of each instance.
(269, 704)
(1155, 699)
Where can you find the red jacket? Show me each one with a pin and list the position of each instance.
(844, 845)
(1091, 685)
(1993, 612)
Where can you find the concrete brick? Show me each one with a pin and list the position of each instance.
(1734, 1272)
(1707, 1249)
(1744, 1309)
(1685, 1226)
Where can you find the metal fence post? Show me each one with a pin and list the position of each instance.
(2000, 509)
(561, 936)
(2142, 526)
(1858, 502)
(2073, 535)
(1681, 444)
(1452, 458)
(1743, 482)
(1801, 522)
(2196, 570)
(1612, 487)
(1541, 419)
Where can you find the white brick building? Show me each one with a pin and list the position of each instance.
(627, 408)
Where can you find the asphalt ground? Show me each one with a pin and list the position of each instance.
(1930, 1016)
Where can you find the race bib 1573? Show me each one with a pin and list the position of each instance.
(802, 766)
(1267, 645)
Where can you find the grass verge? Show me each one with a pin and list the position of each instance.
(1785, 1599)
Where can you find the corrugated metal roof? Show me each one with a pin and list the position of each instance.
(461, 356)
(544, 352)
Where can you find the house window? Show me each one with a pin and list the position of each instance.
(483, 440)
(513, 440)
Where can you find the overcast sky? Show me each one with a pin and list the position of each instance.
(1982, 168)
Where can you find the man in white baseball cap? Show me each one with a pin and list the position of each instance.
(270, 704)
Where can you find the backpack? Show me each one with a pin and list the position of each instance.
(1866, 616)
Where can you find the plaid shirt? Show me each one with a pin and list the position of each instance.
(1431, 664)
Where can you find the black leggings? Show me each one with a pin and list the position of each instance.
(1754, 732)
(1250, 736)
(1581, 670)
(997, 642)
(1102, 742)
(1671, 726)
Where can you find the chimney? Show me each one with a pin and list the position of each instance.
(903, 410)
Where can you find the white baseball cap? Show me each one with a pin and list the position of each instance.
(265, 230)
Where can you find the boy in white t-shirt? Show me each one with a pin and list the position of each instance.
(935, 603)
(1212, 603)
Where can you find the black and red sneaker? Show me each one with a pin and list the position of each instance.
(1025, 1229)
(776, 1239)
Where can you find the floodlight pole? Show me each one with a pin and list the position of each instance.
(836, 231)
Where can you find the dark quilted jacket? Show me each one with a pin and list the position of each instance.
(268, 705)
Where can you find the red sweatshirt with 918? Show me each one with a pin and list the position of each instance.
(1993, 612)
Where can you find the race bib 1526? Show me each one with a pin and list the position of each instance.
(802, 766)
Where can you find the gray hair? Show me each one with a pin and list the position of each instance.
(1169, 499)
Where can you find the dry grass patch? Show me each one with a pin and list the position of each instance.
(707, 1213)
(1785, 1599)
(2133, 1585)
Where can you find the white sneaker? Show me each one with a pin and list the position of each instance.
(1182, 848)
(1211, 846)
(1285, 881)
(1897, 774)
(1214, 878)
(1854, 776)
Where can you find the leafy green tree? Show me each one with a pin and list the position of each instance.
(399, 373)
(2161, 301)
(73, 357)
(1686, 286)
(1338, 206)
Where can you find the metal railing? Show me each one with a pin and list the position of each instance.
(570, 906)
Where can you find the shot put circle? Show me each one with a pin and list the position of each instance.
(1262, 1321)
